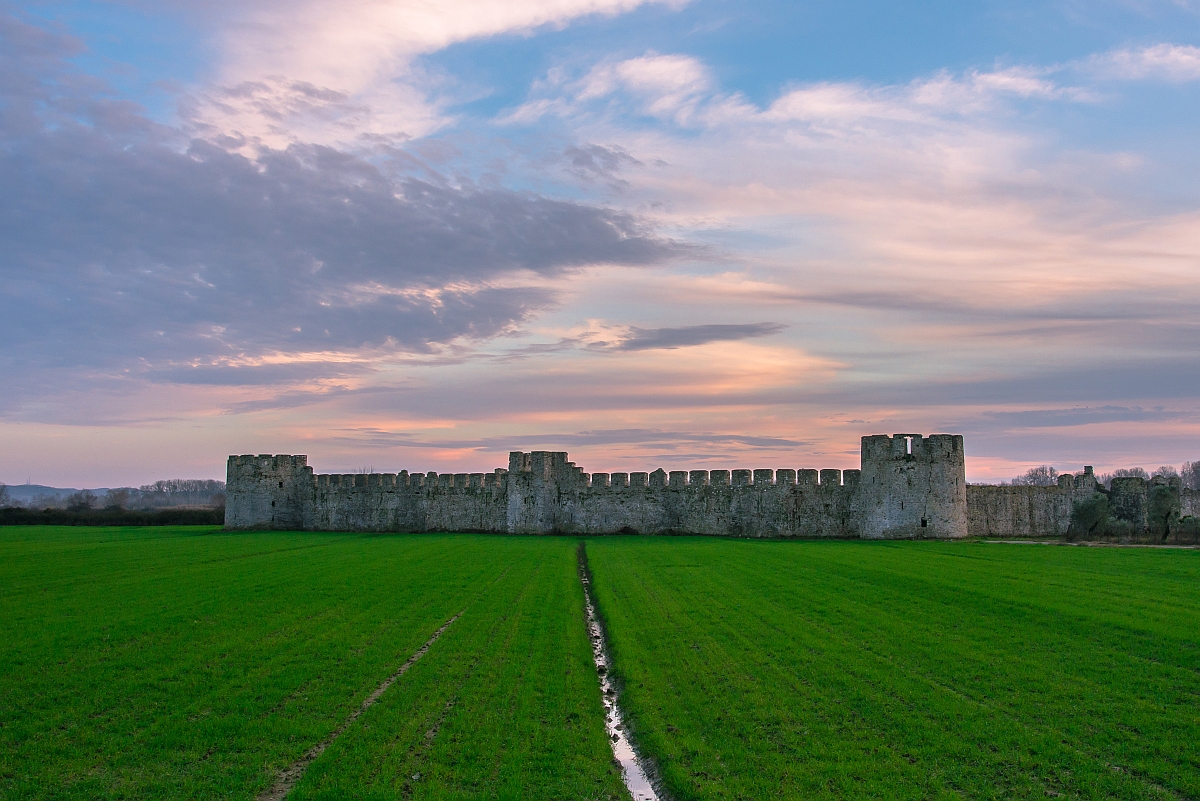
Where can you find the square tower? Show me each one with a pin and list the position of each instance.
(912, 486)
(269, 491)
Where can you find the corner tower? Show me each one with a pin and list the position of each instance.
(273, 492)
(912, 487)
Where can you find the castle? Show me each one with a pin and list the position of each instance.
(909, 486)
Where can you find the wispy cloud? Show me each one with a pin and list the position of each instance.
(1079, 416)
(658, 439)
(680, 88)
(1163, 62)
(344, 74)
(688, 336)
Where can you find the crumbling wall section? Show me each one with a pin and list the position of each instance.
(1189, 502)
(1139, 508)
(1022, 511)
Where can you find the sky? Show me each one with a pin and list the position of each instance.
(690, 235)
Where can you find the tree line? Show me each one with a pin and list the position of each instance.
(1047, 476)
(170, 493)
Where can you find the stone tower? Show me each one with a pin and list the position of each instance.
(912, 486)
(274, 492)
(537, 485)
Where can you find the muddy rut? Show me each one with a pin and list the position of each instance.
(633, 765)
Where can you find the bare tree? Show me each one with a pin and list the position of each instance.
(5, 498)
(1122, 472)
(116, 498)
(182, 492)
(1044, 476)
(1166, 471)
(81, 501)
(1131, 472)
(1190, 473)
(43, 500)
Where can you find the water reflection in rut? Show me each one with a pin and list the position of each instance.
(632, 771)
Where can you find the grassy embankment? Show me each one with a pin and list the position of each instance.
(907, 670)
(187, 663)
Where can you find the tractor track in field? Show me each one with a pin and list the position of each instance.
(292, 774)
(635, 769)
(418, 754)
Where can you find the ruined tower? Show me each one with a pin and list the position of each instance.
(912, 486)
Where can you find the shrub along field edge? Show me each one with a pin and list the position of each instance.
(112, 517)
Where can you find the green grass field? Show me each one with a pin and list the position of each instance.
(190, 663)
(907, 670)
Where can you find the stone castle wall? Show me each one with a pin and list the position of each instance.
(549, 494)
(909, 486)
(281, 492)
(1014, 511)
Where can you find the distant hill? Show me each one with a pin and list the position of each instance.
(27, 492)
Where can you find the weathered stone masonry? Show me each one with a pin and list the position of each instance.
(909, 486)
(1013, 511)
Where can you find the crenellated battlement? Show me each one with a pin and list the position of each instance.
(267, 461)
(697, 479)
(545, 492)
(413, 482)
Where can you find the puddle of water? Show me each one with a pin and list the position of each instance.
(636, 780)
